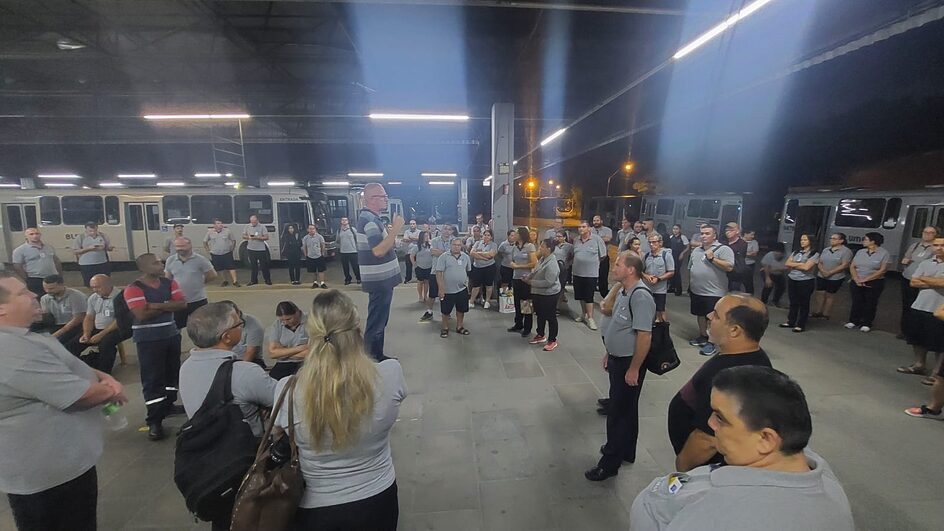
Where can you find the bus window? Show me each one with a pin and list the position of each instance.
(30, 212)
(136, 217)
(710, 208)
(920, 221)
(892, 210)
(176, 209)
(15, 218)
(790, 216)
(694, 208)
(79, 210)
(112, 210)
(860, 213)
(49, 210)
(940, 221)
(247, 205)
(293, 213)
(730, 213)
(664, 207)
(206, 208)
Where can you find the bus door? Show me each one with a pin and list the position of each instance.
(17, 217)
(297, 213)
(919, 217)
(144, 230)
(814, 221)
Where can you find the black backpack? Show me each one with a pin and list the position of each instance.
(123, 316)
(662, 356)
(215, 448)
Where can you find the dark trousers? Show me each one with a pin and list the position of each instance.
(71, 506)
(259, 259)
(160, 369)
(378, 313)
(748, 280)
(675, 283)
(800, 292)
(89, 271)
(564, 275)
(181, 317)
(380, 512)
(70, 339)
(408, 276)
(35, 284)
(285, 368)
(779, 283)
(865, 302)
(603, 280)
(107, 350)
(295, 268)
(522, 292)
(545, 307)
(348, 263)
(622, 419)
(908, 296)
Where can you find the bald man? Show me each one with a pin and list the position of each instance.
(380, 270)
(736, 326)
(99, 328)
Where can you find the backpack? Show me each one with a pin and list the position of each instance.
(214, 451)
(123, 316)
(662, 356)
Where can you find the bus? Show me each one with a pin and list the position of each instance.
(139, 220)
(346, 203)
(898, 215)
(692, 211)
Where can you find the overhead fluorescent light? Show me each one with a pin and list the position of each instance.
(365, 175)
(229, 174)
(60, 185)
(170, 184)
(137, 176)
(394, 182)
(111, 184)
(68, 44)
(442, 183)
(9, 185)
(553, 136)
(335, 183)
(281, 183)
(236, 116)
(208, 175)
(439, 174)
(720, 28)
(59, 176)
(231, 183)
(420, 117)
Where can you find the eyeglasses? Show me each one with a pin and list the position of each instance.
(242, 322)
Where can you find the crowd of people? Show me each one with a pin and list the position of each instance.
(736, 409)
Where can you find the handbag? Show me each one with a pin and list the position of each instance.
(662, 356)
(269, 495)
(506, 303)
(527, 308)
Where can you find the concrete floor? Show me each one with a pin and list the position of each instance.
(496, 434)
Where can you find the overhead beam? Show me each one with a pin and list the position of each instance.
(591, 8)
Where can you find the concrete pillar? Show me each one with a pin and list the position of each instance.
(503, 156)
(463, 204)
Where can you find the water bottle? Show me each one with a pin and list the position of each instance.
(115, 419)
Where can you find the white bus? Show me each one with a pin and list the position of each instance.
(898, 215)
(139, 220)
(691, 211)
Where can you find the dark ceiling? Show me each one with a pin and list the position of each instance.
(310, 71)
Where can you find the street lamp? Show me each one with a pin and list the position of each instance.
(626, 168)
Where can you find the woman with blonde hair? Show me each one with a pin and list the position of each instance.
(345, 405)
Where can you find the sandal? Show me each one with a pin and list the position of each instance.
(462, 331)
(444, 332)
(912, 369)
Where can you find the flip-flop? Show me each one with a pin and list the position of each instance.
(462, 331)
(911, 369)
(444, 333)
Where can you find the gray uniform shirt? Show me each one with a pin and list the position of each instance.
(286, 337)
(103, 308)
(658, 265)
(918, 253)
(482, 247)
(258, 230)
(929, 299)
(801, 257)
(253, 335)
(545, 278)
(623, 236)
(85, 241)
(867, 264)
(38, 262)
(602, 231)
(347, 241)
(71, 303)
(411, 236)
(832, 258)
(455, 272)
(629, 316)
(222, 242)
(441, 243)
(565, 253)
(707, 279)
(190, 275)
(169, 245)
(312, 244)
(252, 387)
(507, 251)
(422, 258)
(43, 445)
(587, 255)
(521, 256)
(739, 498)
(774, 265)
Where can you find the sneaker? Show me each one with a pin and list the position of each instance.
(515, 329)
(849, 326)
(224, 284)
(923, 412)
(268, 283)
(591, 324)
(427, 316)
(578, 319)
(538, 339)
(314, 285)
(252, 284)
(237, 284)
(710, 349)
(699, 341)
(486, 305)
(525, 333)
(864, 329)
(347, 282)
(551, 345)
(324, 286)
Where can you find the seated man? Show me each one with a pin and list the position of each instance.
(249, 347)
(762, 426)
(66, 311)
(99, 328)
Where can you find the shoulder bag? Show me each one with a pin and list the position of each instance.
(662, 356)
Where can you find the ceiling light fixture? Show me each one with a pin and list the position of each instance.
(59, 176)
(137, 176)
(9, 185)
(720, 28)
(231, 183)
(196, 116)
(365, 175)
(170, 184)
(335, 183)
(281, 183)
(553, 136)
(209, 175)
(111, 184)
(60, 185)
(442, 183)
(439, 174)
(394, 182)
(420, 117)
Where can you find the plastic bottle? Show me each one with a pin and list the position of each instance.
(115, 419)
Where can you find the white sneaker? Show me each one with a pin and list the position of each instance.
(591, 324)
(486, 305)
(850, 326)
(578, 319)
(865, 329)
